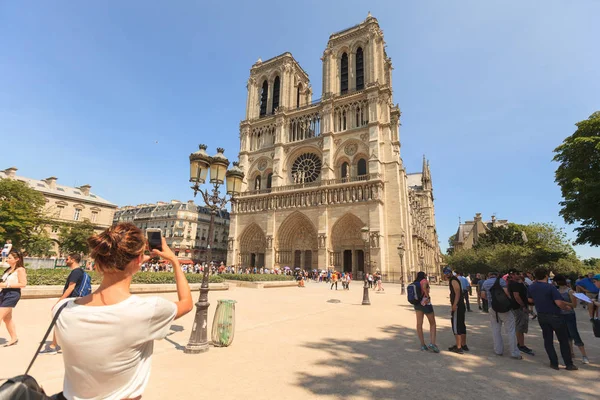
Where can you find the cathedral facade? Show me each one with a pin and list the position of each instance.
(319, 174)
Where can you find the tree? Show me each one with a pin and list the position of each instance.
(39, 245)
(511, 234)
(73, 238)
(21, 212)
(450, 249)
(578, 176)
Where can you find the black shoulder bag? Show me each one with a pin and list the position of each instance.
(25, 387)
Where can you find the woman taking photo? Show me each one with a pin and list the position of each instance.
(13, 280)
(108, 336)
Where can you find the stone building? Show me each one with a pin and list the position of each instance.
(468, 233)
(184, 225)
(318, 172)
(66, 204)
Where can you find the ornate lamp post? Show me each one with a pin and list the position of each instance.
(200, 164)
(365, 237)
(401, 254)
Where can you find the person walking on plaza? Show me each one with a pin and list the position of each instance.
(475, 282)
(379, 282)
(458, 311)
(570, 317)
(334, 280)
(549, 303)
(518, 292)
(77, 282)
(465, 285)
(495, 290)
(108, 336)
(422, 309)
(6, 249)
(13, 280)
(370, 279)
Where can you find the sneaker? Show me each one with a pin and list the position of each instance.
(465, 347)
(50, 350)
(572, 368)
(456, 350)
(526, 350)
(480, 308)
(452, 348)
(424, 348)
(554, 366)
(517, 357)
(586, 360)
(434, 348)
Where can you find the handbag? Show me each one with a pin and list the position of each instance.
(25, 387)
(596, 327)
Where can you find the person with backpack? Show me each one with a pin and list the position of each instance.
(457, 313)
(495, 291)
(419, 297)
(78, 284)
(518, 293)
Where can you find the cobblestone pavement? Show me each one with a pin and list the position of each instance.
(295, 343)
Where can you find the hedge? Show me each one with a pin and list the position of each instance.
(37, 277)
(257, 277)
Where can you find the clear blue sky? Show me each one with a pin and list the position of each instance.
(487, 90)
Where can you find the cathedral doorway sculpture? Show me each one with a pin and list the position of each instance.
(253, 244)
(296, 241)
(347, 244)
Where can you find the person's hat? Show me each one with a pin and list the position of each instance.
(447, 271)
(596, 277)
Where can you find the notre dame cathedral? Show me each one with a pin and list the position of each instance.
(325, 185)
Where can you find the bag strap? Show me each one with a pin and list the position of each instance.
(46, 336)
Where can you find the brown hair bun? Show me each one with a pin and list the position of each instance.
(116, 246)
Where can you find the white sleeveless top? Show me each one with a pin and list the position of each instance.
(10, 279)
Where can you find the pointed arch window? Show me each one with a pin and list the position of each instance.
(269, 180)
(361, 167)
(344, 74)
(264, 93)
(360, 69)
(276, 90)
(298, 95)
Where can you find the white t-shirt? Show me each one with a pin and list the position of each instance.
(107, 350)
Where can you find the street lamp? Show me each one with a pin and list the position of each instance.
(401, 254)
(365, 237)
(200, 165)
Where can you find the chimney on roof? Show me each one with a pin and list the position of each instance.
(175, 202)
(191, 203)
(85, 190)
(51, 182)
(477, 217)
(11, 172)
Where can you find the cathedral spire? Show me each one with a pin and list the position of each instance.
(426, 174)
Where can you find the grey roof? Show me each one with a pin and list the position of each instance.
(60, 190)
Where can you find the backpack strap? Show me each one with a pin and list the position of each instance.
(46, 336)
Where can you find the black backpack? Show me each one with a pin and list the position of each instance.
(501, 303)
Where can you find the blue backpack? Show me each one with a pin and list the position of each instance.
(413, 293)
(86, 286)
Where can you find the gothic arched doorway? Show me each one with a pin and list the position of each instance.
(253, 244)
(348, 247)
(297, 245)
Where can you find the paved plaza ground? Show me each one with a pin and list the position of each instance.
(294, 343)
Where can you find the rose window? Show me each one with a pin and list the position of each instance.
(306, 168)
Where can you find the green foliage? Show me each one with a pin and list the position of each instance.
(592, 262)
(20, 212)
(39, 245)
(73, 238)
(578, 176)
(257, 277)
(521, 247)
(58, 276)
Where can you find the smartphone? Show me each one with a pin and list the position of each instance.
(154, 238)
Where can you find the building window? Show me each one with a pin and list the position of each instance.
(257, 183)
(362, 167)
(94, 216)
(54, 229)
(59, 210)
(344, 74)
(263, 98)
(360, 69)
(344, 171)
(269, 180)
(275, 94)
(298, 95)
(77, 214)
